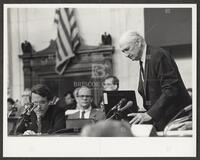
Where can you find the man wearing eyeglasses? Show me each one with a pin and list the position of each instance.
(41, 117)
(160, 83)
(85, 111)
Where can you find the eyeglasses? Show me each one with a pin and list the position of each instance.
(125, 49)
(131, 47)
(40, 103)
(86, 96)
(25, 95)
(108, 84)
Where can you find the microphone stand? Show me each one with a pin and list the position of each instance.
(24, 118)
(115, 110)
(115, 115)
(21, 123)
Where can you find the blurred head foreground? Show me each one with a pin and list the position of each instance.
(109, 128)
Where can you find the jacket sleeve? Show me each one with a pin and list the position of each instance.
(167, 77)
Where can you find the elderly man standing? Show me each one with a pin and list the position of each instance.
(160, 83)
(85, 110)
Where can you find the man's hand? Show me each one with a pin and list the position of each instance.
(139, 118)
(29, 132)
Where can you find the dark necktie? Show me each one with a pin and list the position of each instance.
(82, 114)
(141, 80)
(141, 69)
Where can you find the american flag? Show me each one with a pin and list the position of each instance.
(67, 38)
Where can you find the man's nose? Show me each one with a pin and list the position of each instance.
(85, 98)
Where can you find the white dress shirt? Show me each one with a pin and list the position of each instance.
(143, 58)
(87, 113)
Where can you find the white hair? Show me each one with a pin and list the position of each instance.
(76, 91)
(130, 37)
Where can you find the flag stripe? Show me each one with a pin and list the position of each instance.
(64, 27)
(66, 22)
(61, 46)
(63, 40)
(72, 23)
(67, 37)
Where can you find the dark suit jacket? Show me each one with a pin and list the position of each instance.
(53, 120)
(95, 114)
(164, 91)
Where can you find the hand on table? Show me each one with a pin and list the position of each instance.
(29, 132)
(180, 126)
(139, 118)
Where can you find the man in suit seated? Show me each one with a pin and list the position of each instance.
(41, 116)
(25, 101)
(110, 83)
(84, 108)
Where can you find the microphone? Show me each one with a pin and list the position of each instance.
(188, 108)
(128, 105)
(29, 108)
(118, 105)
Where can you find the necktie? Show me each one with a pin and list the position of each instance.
(82, 114)
(39, 124)
(141, 69)
(141, 80)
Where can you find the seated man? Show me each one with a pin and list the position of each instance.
(68, 101)
(110, 83)
(84, 107)
(11, 107)
(25, 102)
(41, 117)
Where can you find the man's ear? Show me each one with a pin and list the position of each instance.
(116, 87)
(139, 44)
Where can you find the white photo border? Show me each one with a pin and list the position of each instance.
(102, 147)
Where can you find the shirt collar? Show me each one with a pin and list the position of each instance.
(144, 53)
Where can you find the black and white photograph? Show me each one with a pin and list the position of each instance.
(99, 80)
